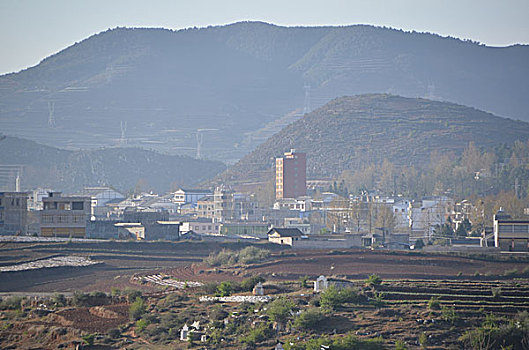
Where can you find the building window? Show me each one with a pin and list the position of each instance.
(77, 206)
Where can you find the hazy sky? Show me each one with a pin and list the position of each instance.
(33, 29)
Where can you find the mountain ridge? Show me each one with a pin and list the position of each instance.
(354, 131)
(235, 79)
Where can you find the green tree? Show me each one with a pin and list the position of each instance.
(136, 309)
(225, 289)
(310, 319)
(280, 310)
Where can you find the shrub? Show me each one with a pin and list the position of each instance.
(247, 255)
(373, 281)
(257, 335)
(449, 314)
(249, 283)
(496, 292)
(132, 294)
(136, 309)
(225, 289)
(58, 300)
(12, 303)
(217, 313)
(224, 257)
(114, 333)
(511, 272)
(115, 292)
(309, 319)
(81, 299)
(434, 304)
(280, 309)
(419, 244)
(141, 324)
(423, 340)
(304, 282)
(210, 287)
(88, 339)
(333, 298)
(400, 345)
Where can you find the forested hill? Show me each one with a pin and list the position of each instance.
(122, 168)
(242, 82)
(351, 132)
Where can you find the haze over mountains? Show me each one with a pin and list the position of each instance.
(125, 169)
(242, 83)
(349, 132)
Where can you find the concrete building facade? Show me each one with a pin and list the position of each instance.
(64, 216)
(291, 175)
(510, 235)
(13, 212)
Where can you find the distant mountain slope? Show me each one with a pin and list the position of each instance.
(157, 87)
(121, 168)
(351, 131)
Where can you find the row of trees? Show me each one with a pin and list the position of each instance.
(476, 172)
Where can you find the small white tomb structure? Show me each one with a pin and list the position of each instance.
(321, 284)
(184, 332)
(258, 289)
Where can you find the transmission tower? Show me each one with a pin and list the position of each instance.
(123, 126)
(306, 107)
(51, 110)
(200, 138)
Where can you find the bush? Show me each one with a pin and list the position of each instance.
(373, 281)
(257, 335)
(434, 304)
(58, 300)
(115, 292)
(349, 342)
(141, 324)
(280, 310)
(333, 298)
(224, 257)
(400, 345)
(249, 283)
(247, 255)
(224, 289)
(510, 273)
(88, 339)
(114, 333)
(12, 303)
(137, 309)
(304, 282)
(132, 294)
(310, 319)
(251, 255)
(217, 313)
(210, 287)
(419, 244)
(449, 314)
(513, 334)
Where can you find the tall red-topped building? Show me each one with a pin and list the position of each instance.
(291, 175)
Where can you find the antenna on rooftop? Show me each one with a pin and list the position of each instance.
(51, 110)
(307, 108)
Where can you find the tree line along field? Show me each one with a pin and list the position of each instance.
(462, 307)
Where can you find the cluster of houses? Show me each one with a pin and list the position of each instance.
(303, 215)
(321, 220)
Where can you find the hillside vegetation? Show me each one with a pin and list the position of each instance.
(239, 81)
(123, 168)
(349, 133)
